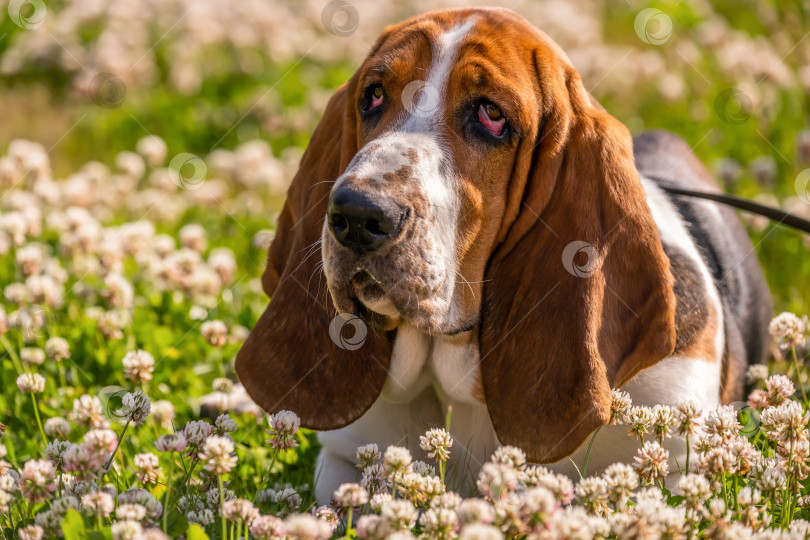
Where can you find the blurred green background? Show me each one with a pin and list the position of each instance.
(88, 79)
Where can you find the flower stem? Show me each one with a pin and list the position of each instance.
(349, 523)
(798, 373)
(117, 446)
(168, 493)
(221, 507)
(39, 422)
(588, 453)
(687, 454)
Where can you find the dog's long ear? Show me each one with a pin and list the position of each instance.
(301, 356)
(578, 297)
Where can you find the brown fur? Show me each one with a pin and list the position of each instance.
(552, 345)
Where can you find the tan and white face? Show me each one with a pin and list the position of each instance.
(414, 217)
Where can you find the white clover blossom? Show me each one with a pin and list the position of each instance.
(788, 330)
(135, 407)
(217, 452)
(31, 383)
(57, 427)
(138, 366)
(436, 442)
(57, 349)
(350, 496)
(215, 332)
(283, 427)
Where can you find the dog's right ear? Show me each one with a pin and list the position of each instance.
(302, 355)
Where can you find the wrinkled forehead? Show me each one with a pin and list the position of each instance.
(436, 64)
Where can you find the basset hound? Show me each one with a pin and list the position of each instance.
(469, 227)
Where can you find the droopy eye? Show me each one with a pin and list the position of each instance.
(491, 118)
(374, 96)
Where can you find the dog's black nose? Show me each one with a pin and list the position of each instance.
(363, 224)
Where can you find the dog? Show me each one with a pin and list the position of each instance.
(470, 228)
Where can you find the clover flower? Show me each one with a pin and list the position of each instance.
(722, 422)
(350, 496)
(687, 418)
(788, 330)
(591, 492)
(652, 462)
(134, 512)
(620, 481)
(472, 511)
(118, 291)
(367, 455)
(203, 517)
(126, 530)
(372, 527)
(479, 531)
(440, 523)
(174, 442)
(619, 406)
(147, 469)
(217, 452)
(268, 528)
(222, 384)
(135, 407)
(756, 373)
(639, 420)
(436, 442)
(31, 383)
(101, 442)
(785, 423)
(37, 480)
(509, 456)
(153, 149)
(779, 388)
(57, 349)
(88, 412)
(196, 432)
(163, 413)
(224, 424)
(99, 504)
(306, 527)
(663, 418)
(32, 356)
(283, 427)
(138, 366)
(374, 479)
(215, 333)
(31, 532)
(240, 510)
(327, 515)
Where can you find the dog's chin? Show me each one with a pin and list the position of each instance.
(364, 297)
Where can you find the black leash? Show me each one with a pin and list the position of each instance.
(781, 217)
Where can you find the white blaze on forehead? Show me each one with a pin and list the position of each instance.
(429, 100)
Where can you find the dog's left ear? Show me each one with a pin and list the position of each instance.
(578, 297)
(301, 355)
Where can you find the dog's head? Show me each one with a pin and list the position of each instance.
(465, 180)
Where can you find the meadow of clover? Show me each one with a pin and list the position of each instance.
(145, 149)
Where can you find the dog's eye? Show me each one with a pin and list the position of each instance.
(373, 98)
(491, 117)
